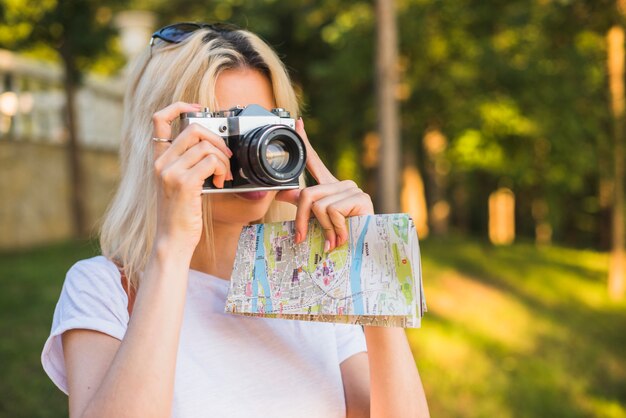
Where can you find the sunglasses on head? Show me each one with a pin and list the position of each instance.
(178, 32)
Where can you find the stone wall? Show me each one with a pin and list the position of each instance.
(34, 191)
(34, 170)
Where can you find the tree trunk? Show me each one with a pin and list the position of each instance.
(77, 201)
(387, 106)
(539, 207)
(413, 197)
(436, 169)
(615, 43)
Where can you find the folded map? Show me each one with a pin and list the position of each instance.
(375, 278)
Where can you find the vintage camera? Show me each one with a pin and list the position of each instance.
(268, 154)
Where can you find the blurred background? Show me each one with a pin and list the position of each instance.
(499, 125)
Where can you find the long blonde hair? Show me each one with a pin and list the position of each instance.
(163, 74)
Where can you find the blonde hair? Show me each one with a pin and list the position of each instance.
(166, 74)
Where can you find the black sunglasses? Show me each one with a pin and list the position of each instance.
(178, 32)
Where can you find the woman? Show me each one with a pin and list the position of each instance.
(178, 354)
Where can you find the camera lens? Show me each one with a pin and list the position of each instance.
(277, 154)
(272, 155)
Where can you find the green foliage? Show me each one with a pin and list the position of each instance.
(472, 150)
(348, 164)
(80, 31)
(518, 88)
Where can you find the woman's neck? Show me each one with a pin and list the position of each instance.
(225, 239)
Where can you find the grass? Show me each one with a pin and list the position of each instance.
(520, 331)
(31, 283)
(511, 332)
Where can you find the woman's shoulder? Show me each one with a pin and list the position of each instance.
(92, 298)
(96, 275)
(98, 263)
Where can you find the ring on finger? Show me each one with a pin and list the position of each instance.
(162, 139)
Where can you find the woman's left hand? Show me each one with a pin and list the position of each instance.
(331, 201)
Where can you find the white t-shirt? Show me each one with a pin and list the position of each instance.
(227, 365)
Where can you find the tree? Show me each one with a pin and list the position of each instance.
(387, 105)
(615, 61)
(78, 31)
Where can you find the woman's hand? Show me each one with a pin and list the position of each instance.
(331, 201)
(180, 169)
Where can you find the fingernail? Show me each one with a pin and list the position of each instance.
(326, 246)
(230, 153)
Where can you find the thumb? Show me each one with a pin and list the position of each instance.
(290, 196)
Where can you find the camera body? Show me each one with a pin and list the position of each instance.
(268, 154)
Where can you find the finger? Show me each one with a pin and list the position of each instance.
(198, 152)
(209, 166)
(162, 120)
(337, 221)
(309, 195)
(355, 205)
(195, 133)
(190, 136)
(327, 225)
(289, 196)
(313, 162)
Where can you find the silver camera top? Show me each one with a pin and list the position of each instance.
(238, 120)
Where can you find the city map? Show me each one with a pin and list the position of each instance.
(373, 279)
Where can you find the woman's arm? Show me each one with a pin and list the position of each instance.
(384, 382)
(355, 375)
(135, 378)
(396, 388)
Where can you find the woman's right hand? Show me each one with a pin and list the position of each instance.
(180, 168)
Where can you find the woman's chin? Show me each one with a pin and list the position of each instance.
(241, 207)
